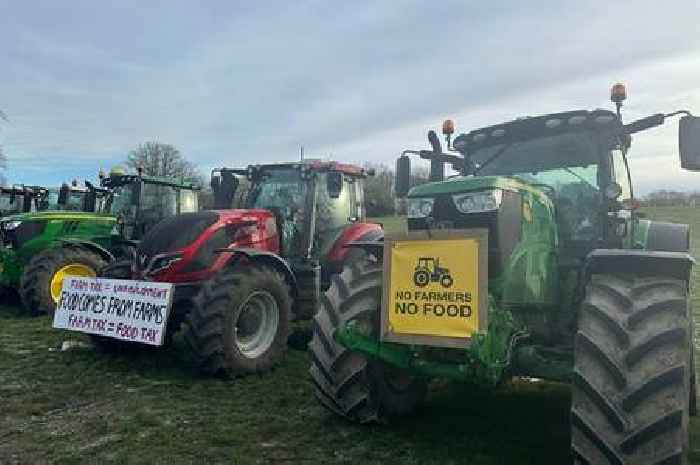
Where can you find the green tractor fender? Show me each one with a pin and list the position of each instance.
(657, 235)
(89, 245)
(675, 265)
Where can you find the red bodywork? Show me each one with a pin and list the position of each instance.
(252, 229)
(261, 234)
(353, 232)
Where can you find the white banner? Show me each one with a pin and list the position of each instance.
(128, 310)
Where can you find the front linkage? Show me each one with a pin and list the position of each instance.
(484, 362)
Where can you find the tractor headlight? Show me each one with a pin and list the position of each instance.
(476, 202)
(420, 208)
(12, 225)
(162, 262)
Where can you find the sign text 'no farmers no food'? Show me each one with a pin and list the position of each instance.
(134, 311)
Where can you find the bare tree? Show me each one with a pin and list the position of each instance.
(158, 159)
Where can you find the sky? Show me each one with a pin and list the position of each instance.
(231, 83)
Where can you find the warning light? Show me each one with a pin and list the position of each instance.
(448, 127)
(618, 93)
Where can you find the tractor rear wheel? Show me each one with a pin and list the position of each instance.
(346, 382)
(42, 279)
(239, 322)
(632, 372)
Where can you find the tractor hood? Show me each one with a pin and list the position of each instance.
(461, 184)
(59, 215)
(184, 248)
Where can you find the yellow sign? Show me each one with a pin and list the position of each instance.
(435, 286)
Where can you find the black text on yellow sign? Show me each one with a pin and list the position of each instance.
(434, 287)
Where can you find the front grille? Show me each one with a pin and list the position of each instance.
(26, 231)
(504, 225)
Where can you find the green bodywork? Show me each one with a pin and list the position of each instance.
(57, 227)
(533, 295)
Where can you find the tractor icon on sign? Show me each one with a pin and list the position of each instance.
(428, 270)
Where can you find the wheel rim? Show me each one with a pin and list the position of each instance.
(72, 269)
(256, 326)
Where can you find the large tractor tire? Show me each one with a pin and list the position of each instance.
(239, 322)
(42, 279)
(345, 382)
(632, 372)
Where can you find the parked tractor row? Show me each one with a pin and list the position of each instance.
(76, 231)
(531, 260)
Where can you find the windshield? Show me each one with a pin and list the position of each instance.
(556, 162)
(566, 167)
(281, 189)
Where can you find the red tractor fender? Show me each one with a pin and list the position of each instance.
(354, 232)
(262, 257)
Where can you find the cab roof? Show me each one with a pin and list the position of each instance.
(538, 126)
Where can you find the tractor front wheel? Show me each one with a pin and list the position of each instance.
(346, 382)
(239, 321)
(42, 279)
(632, 372)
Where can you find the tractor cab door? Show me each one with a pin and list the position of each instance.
(336, 209)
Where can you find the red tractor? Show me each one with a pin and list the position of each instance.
(242, 275)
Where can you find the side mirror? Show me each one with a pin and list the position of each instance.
(334, 184)
(689, 142)
(402, 183)
(63, 194)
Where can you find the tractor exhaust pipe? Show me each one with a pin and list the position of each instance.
(437, 166)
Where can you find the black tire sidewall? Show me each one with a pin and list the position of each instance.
(40, 270)
(236, 362)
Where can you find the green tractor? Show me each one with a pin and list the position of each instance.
(556, 276)
(90, 228)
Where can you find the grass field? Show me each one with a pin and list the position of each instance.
(80, 406)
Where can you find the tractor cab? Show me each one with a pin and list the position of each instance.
(20, 199)
(139, 201)
(545, 186)
(313, 202)
(74, 197)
